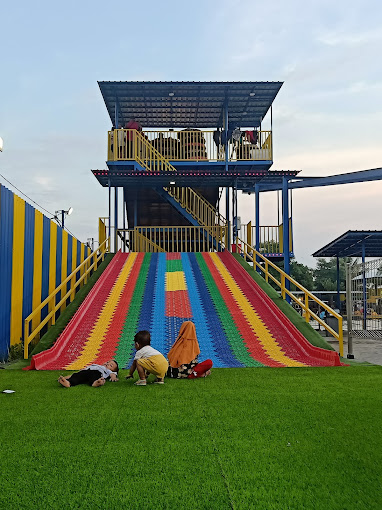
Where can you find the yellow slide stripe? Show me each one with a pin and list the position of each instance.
(269, 343)
(104, 319)
(175, 281)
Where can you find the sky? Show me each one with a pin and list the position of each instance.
(327, 116)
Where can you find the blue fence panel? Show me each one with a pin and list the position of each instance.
(6, 245)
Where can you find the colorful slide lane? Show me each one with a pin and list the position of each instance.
(237, 324)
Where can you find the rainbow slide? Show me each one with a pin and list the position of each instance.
(237, 324)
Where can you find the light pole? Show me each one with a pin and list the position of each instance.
(90, 242)
(63, 214)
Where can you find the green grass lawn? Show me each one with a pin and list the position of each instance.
(297, 438)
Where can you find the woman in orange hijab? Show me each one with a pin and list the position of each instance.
(183, 355)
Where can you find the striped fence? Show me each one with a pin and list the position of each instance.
(36, 255)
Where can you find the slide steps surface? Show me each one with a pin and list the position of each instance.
(237, 324)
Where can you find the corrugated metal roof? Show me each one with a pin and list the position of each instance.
(189, 104)
(243, 180)
(350, 244)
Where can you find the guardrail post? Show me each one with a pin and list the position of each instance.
(307, 314)
(341, 337)
(349, 311)
(285, 210)
(257, 224)
(267, 272)
(283, 294)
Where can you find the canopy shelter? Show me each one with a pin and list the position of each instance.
(188, 104)
(353, 243)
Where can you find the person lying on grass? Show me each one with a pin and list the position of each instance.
(147, 360)
(183, 355)
(94, 375)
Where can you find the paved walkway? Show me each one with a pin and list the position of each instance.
(364, 349)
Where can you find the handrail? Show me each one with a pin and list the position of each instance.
(195, 204)
(253, 255)
(142, 241)
(183, 238)
(148, 156)
(189, 145)
(28, 337)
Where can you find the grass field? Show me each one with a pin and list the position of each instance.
(304, 438)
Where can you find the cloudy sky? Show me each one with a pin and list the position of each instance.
(326, 119)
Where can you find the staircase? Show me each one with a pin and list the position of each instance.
(196, 209)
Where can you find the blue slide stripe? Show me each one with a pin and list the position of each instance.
(158, 333)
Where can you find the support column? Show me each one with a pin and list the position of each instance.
(226, 169)
(364, 285)
(124, 218)
(285, 210)
(234, 214)
(109, 229)
(257, 221)
(227, 218)
(349, 311)
(338, 300)
(115, 219)
(135, 210)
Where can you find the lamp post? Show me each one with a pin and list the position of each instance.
(63, 214)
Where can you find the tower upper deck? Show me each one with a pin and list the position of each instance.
(191, 123)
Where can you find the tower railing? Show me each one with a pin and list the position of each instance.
(187, 145)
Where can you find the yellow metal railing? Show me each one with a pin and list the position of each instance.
(196, 205)
(130, 144)
(271, 237)
(83, 271)
(173, 238)
(257, 258)
(186, 145)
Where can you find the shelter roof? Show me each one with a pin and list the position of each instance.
(188, 104)
(350, 244)
(213, 177)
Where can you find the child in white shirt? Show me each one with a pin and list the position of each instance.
(94, 375)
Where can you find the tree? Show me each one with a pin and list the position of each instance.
(302, 274)
(325, 273)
